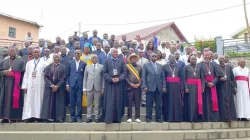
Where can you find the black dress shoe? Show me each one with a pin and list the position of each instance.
(89, 121)
(60, 121)
(244, 119)
(5, 121)
(79, 120)
(159, 121)
(148, 121)
(97, 121)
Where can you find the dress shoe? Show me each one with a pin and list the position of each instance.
(97, 121)
(79, 120)
(148, 121)
(244, 119)
(60, 121)
(5, 121)
(88, 121)
(159, 121)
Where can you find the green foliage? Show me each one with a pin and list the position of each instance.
(237, 54)
(201, 43)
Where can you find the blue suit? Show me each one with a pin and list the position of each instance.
(75, 82)
(102, 57)
(23, 52)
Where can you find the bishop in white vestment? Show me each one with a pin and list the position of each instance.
(242, 99)
(33, 85)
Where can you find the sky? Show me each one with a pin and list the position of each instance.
(62, 17)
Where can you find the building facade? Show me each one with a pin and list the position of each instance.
(13, 28)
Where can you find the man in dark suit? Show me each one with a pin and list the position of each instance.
(153, 84)
(71, 53)
(124, 56)
(74, 85)
(178, 62)
(105, 40)
(98, 50)
(24, 51)
(104, 56)
(64, 60)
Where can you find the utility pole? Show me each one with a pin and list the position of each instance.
(245, 10)
(79, 28)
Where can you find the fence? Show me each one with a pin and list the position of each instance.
(9, 42)
(239, 45)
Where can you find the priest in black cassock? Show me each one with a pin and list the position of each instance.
(226, 87)
(53, 108)
(65, 61)
(194, 86)
(172, 99)
(210, 100)
(11, 99)
(114, 75)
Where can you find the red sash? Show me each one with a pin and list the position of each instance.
(199, 92)
(214, 94)
(16, 90)
(171, 79)
(243, 78)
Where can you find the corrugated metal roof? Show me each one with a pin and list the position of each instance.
(20, 19)
(146, 32)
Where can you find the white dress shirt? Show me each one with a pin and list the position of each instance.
(77, 64)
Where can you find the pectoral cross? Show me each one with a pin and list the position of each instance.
(209, 72)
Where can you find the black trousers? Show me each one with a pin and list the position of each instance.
(134, 96)
(150, 98)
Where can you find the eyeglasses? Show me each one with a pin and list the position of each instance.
(154, 56)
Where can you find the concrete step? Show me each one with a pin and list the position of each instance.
(128, 135)
(142, 110)
(68, 127)
(124, 119)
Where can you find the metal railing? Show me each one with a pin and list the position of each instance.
(239, 45)
(10, 42)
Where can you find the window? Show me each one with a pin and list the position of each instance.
(12, 32)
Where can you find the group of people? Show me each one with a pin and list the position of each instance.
(38, 83)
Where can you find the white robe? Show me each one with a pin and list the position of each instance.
(33, 99)
(242, 99)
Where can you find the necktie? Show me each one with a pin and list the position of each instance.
(94, 67)
(125, 60)
(155, 67)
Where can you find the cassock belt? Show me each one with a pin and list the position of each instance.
(171, 79)
(243, 78)
(16, 90)
(214, 93)
(199, 92)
